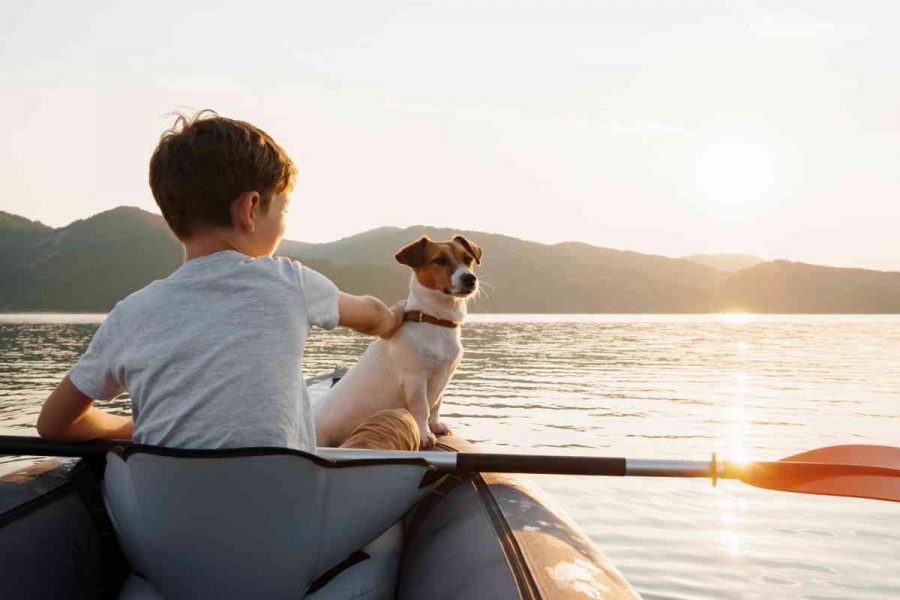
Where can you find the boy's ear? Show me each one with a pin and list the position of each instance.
(413, 255)
(244, 210)
(471, 247)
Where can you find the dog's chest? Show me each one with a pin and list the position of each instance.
(434, 344)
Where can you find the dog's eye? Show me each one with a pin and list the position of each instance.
(441, 260)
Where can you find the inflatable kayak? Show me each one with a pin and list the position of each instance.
(146, 522)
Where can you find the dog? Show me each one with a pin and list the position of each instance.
(412, 368)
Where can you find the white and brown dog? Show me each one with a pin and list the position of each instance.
(411, 369)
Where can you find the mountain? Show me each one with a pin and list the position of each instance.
(91, 264)
(88, 265)
(782, 286)
(729, 263)
(521, 276)
(361, 247)
(10, 222)
(17, 234)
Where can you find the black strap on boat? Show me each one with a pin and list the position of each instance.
(521, 572)
(426, 505)
(323, 579)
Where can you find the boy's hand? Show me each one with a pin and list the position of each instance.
(396, 321)
(369, 315)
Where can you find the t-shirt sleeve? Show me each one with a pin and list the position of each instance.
(94, 373)
(321, 298)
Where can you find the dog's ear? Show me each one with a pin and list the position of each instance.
(413, 255)
(471, 247)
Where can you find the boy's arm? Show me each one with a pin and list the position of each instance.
(369, 315)
(68, 415)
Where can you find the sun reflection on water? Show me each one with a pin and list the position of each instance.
(732, 542)
(737, 429)
(735, 441)
(737, 318)
(730, 510)
(736, 418)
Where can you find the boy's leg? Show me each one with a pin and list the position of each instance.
(393, 429)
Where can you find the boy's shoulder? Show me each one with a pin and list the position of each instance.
(293, 268)
(231, 264)
(229, 283)
(289, 271)
(281, 271)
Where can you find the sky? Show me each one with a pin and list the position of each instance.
(667, 128)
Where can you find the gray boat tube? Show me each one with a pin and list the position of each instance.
(491, 535)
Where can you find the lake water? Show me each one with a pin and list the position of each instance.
(642, 387)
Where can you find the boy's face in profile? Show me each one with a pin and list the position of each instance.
(269, 227)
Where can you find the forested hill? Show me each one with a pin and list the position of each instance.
(88, 265)
(92, 263)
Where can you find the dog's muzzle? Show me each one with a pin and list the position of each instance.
(468, 283)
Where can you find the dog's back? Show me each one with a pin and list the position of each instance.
(366, 388)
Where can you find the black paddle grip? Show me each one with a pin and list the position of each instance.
(12, 445)
(525, 463)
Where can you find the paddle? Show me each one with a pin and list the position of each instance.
(859, 471)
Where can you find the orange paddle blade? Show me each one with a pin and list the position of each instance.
(858, 471)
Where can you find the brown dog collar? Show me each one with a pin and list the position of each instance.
(417, 316)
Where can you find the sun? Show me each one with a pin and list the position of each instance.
(735, 172)
(737, 169)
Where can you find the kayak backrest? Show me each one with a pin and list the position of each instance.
(261, 523)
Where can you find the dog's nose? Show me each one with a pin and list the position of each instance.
(468, 279)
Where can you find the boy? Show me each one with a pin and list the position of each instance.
(211, 354)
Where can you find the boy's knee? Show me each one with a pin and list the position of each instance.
(404, 425)
(400, 414)
(389, 429)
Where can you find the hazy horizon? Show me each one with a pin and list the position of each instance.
(659, 127)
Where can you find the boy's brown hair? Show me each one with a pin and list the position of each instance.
(203, 163)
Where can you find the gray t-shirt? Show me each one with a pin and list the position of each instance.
(211, 354)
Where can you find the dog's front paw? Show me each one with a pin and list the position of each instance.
(438, 428)
(427, 441)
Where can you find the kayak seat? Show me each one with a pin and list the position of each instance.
(373, 578)
(260, 523)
